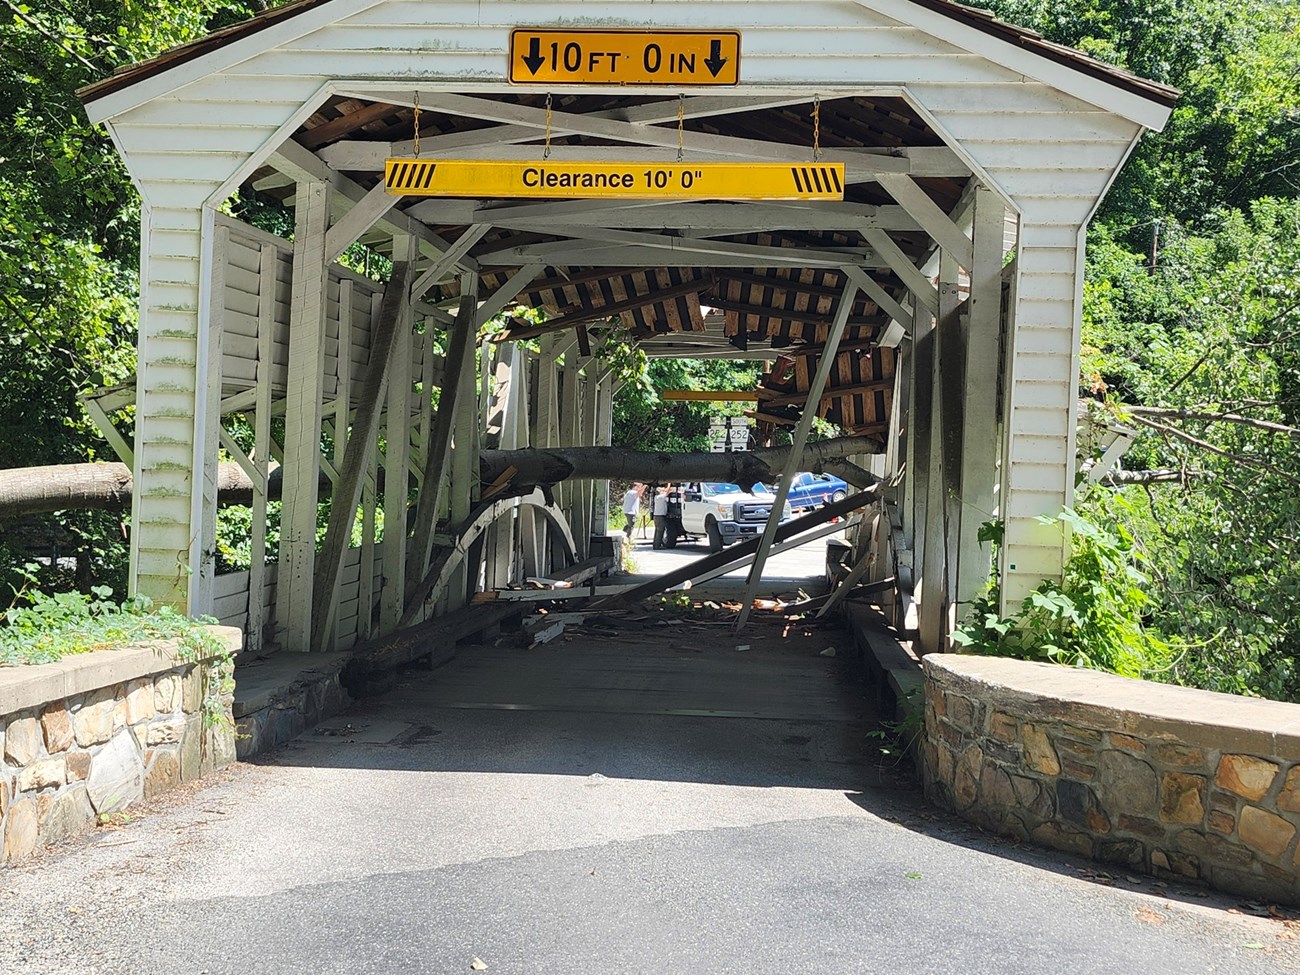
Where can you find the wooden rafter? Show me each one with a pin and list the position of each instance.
(767, 398)
(582, 316)
(782, 314)
(784, 284)
(345, 124)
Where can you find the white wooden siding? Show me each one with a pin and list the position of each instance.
(231, 598)
(239, 335)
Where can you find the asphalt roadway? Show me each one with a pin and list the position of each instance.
(488, 814)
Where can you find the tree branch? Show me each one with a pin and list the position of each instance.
(1161, 476)
(1174, 413)
(36, 25)
(1197, 442)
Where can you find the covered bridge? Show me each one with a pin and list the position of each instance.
(921, 285)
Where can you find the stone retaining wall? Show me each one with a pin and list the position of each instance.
(1153, 778)
(87, 736)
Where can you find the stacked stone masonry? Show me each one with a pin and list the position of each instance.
(70, 761)
(1162, 780)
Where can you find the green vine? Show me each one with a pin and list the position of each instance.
(1092, 617)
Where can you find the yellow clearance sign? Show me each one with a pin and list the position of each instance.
(624, 180)
(624, 57)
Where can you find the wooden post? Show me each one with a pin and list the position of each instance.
(979, 394)
(207, 427)
(545, 423)
(366, 586)
(569, 432)
(935, 556)
(422, 345)
(269, 266)
(464, 469)
(342, 412)
(389, 347)
(800, 437)
(921, 419)
(587, 437)
(951, 350)
(302, 418)
(604, 438)
(543, 433)
(392, 599)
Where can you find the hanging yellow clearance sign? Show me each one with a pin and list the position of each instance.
(619, 180)
(624, 57)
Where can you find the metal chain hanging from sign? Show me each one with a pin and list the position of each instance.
(415, 125)
(817, 128)
(546, 152)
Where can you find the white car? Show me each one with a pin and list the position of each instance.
(723, 513)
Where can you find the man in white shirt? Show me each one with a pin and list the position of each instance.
(632, 506)
(659, 509)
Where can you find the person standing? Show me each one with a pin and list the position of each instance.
(632, 506)
(659, 509)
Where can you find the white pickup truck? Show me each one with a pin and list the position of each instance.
(723, 513)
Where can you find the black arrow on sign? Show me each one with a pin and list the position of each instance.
(534, 57)
(715, 61)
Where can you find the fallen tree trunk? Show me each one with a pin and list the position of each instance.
(108, 486)
(550, 465)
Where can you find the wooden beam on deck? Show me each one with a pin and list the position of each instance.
(734, 553)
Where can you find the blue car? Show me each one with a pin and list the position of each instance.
(809, 490)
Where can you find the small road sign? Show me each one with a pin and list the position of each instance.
(622, 180)
(624, 57)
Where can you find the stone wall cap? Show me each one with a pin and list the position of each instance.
(31, 686)
(1267, 727)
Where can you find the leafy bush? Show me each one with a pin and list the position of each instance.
(49, 627)
(1092, 617)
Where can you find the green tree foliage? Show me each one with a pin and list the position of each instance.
(1235, 133)
(1202, 355)
(69, 232)
(1191, 325)
(643, 420)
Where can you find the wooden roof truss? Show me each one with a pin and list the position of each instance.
(688, 278)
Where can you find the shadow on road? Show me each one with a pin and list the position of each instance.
(687, 700)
